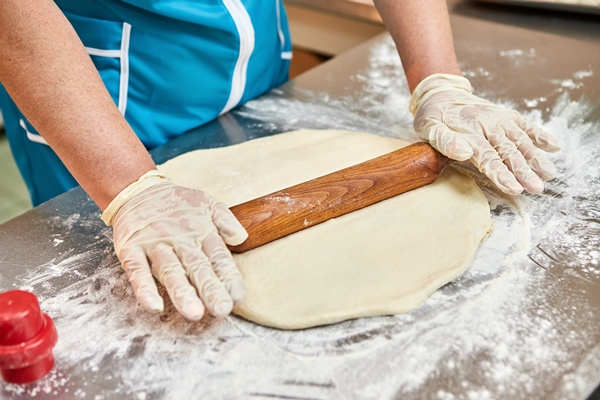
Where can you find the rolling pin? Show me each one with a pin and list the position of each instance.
(290, 210)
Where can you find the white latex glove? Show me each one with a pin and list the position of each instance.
(178, 235)
(500, 142)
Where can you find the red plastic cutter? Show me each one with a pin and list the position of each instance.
(27, 338)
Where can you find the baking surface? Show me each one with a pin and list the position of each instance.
(560, 5)
(521, 323)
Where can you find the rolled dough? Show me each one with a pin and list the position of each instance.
(384, 259)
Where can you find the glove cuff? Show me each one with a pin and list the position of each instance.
(147, 180)
(436, 83)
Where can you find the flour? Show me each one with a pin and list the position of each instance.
(583, 74)
(576, 81)
(502, 330)
(567, 83)
(476, 72)
(68, 223)
(517, 53)
(520, 57)
(533, 103)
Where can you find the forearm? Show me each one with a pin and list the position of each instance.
(421, 31)
(49, 75)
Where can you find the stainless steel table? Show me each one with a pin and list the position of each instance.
(522, 323)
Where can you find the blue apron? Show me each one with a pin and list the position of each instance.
(169, 65)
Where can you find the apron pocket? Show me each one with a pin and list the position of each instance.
(107, 43)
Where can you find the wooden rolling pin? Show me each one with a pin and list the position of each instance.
(290, 210)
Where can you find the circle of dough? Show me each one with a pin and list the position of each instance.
(384, 259)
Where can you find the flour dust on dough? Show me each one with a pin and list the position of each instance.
(384, 259)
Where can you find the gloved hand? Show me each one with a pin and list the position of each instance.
(500, 142)
(178, 235)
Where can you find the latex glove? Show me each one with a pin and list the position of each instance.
(500, 142)
(179, 235)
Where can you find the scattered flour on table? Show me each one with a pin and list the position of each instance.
(519, 56)
(492, 333)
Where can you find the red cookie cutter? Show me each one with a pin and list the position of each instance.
(27, 338)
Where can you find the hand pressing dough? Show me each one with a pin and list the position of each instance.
(384, 259)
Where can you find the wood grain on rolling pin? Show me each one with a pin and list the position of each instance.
(290, 210)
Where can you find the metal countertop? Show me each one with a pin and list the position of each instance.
(521, 323)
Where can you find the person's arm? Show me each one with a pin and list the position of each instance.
(500, 142)
(46, 70)
(177, 234)
(421, 31)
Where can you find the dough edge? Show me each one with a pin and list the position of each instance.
(394, 306)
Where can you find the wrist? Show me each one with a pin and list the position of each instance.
(437, 83)
(417, 73)
(149, 179)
